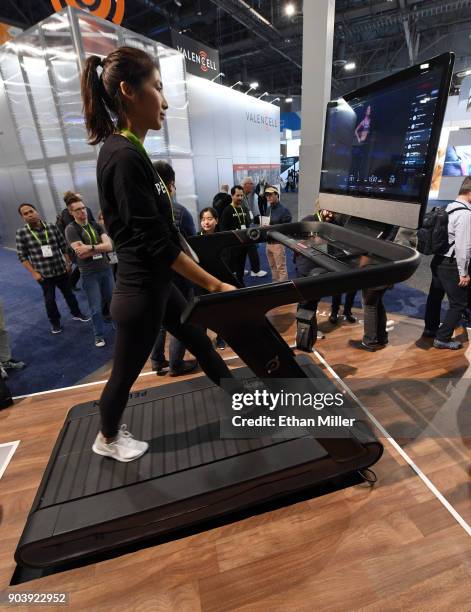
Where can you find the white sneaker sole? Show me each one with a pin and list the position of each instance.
(111, 456)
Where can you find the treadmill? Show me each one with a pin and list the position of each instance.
(87, 504)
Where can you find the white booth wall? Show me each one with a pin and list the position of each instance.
(230, 131)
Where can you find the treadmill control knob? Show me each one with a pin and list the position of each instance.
(273, 365)
(253, 233)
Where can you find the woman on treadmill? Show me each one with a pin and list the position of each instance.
(123, 99)
(362, 130)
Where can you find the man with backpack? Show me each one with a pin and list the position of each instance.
(450, 266)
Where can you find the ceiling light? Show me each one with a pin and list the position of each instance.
(290, 9)
(288, 100)
(254, 85)
(350, 66)
(255, 13)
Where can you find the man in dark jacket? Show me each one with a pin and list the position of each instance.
(277, 214)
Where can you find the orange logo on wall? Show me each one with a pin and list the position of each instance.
(204, 58)
(99, 8)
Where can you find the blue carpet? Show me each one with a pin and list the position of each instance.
(53, 361)
(61, 360)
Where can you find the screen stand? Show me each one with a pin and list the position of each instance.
(367, 227)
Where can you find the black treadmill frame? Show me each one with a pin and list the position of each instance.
(55, 533)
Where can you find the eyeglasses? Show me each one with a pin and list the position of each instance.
(77, 209)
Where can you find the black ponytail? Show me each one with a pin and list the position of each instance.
(103, 105)
(97, 117)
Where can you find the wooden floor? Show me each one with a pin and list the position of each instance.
(393, 547)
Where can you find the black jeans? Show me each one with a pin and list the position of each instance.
(139, 312)
(375, 316)
(48, 285)
(445, 278)
(254, 258)
(237, 259)
(347, 307)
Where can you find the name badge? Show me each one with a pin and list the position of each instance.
(264, 221)
(99, 256)
(243, 227)
(113, 257)
(46, 250)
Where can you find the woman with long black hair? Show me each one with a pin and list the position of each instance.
(123, 99)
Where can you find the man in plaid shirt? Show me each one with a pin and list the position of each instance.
(42, 250)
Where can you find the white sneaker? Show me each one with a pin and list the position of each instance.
(246, 272)
(260, 273)
(99, 341)
(125, 448)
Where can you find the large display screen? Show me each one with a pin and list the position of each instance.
(380, 141)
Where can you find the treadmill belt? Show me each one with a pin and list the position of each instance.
(183, 431)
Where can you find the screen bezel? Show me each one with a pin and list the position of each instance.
(446, 62)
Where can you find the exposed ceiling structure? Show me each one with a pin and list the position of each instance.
(257, 41)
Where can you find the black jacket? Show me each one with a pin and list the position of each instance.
(278, 214)
(137, 212)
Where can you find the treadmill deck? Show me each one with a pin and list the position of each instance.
(88, 504)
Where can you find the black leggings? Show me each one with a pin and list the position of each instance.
(139, 314)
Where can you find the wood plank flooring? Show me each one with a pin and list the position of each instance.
(393, 547)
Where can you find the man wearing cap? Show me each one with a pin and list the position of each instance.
(277, 214)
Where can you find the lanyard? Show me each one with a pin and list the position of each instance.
(318, 214)
(92, 234)
(238, 215)
(140, 147)
(36, 235)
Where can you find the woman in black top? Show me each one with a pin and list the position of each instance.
(123, 99)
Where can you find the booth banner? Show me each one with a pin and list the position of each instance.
(200, 60)
(270, 172)
(7, 32)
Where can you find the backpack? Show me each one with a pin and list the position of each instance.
(432, 237)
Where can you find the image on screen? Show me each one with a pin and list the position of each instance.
(457, 161)
(377, 141)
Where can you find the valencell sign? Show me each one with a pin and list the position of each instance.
(200, 60)
(262, 120)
